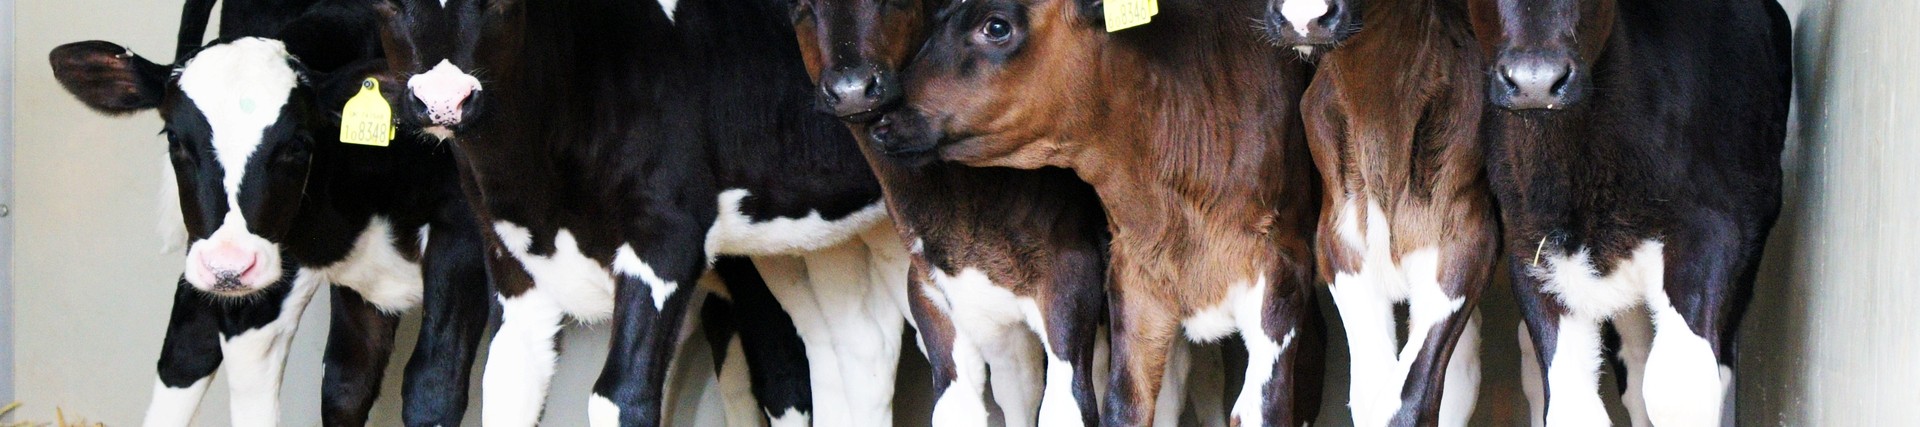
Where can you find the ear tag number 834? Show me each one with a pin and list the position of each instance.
(367, 119)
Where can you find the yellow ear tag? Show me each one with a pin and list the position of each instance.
(367, 119)
(1124, 14)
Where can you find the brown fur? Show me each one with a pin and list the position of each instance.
(1185, 127)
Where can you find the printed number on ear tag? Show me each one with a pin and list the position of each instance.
(367, 119)
(1124, 14)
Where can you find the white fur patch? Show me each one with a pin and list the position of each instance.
(668, 6)
(520, 361)
(790, 418)
(1463, 377)
(1001, 325)
(1531, 383)
(1573, 279)
(175, 407)
(239, 87)
(735, 233)
(1262, 352)
(964, 403)
(375, 269)
(1685, 380)
(1573, 375)
(254, 359)
(580, 286)
(626, 263)
(602, 412)
(1225, 318)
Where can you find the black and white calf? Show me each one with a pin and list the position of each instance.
(614, 148)
(1635, 156)
(276, 208)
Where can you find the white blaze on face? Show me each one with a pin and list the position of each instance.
(1299, 13)
(239, 87)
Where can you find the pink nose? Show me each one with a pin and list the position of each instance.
(226, 260)
(443, 89)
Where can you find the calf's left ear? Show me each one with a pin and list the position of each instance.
(109, 78)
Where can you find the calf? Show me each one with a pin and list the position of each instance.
(1393, 120)
(595, 101)
(276, 208)
(999, 254)
(1635, 156)
(1186, 129)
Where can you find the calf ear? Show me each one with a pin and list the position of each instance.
(109, 78)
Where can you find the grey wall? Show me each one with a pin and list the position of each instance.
(6, 198)
(1832, 338)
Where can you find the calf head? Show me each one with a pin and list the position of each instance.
(432, 44)
(1311, 27)
(1543, 50)
(854, 49)
(997, 80)
(242, 117)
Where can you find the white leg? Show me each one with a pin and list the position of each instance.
(1374, 387)
(1263, 351)
(1463, 377)
(964, 403)
(255, 359)
(1058, 407)
(520, 363)
(887, 263)
(786, 278)
(1206, 383)
(866, 328)
(1685, 380)
(736, 388)
(175, 407)
(1428, 305)
(1573, 376)
(1173, 391)
(1013, 363)
(1636, 337)
(1530, 382)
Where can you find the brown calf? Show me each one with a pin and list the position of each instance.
(1188, 131)
(1393, 118)
(998, 254)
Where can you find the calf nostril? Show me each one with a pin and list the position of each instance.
(875, 87)
(1332, 18)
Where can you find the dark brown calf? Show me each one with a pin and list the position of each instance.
(1393, 118)
(1187, 129)
(998, 254)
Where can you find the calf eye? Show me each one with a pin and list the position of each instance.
(996, 30)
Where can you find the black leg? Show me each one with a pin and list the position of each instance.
(456, 305)
(646, 336)
(776, 358)
(188, 357)
(358, 346)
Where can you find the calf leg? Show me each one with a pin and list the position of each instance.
(1075, 312)
(1366, 312)
(787, 281)
(1694, 312)
(1284, 352)
(1440, 309)
(358, 345)
(455, 318)
(1568, 349)
(1532, 381)
(729, 363)
(866, 326)
(769, 346)
(650, 305)
(520, 361)
(959, 376)
(1636, 336)
(188, 358)
(256, 356)
(1143, 332)
(1170, 401)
